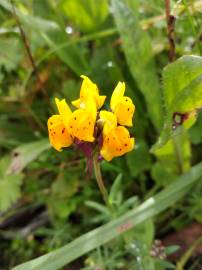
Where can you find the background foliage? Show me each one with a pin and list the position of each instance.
(46, 199)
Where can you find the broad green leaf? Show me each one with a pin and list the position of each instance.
(138, 51)
(26, 153)
(87, 15)
(113, 229)
(182, 91)
(9, 185)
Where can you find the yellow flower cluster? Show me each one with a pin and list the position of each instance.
(68, 127)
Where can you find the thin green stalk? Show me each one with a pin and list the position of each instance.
(99, 179)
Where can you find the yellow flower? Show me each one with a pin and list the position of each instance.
(67, 126)
(88, 89)
(116, 139)
(58, 135)
(116, 143)
(122, 106)
(81, 122)
(109, 120)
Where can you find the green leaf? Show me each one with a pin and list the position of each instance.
(171, 249)
(164, 265)
(138, 51)
(115, 195)
(98, 207)
(91, 13)
(26, 153)
(182, 94)
(9, 185)
(113, 229)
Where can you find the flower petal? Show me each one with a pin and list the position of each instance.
(109, 119)
(58, 135)
(81, 125)
(100, 101)
(117, 95)
(117, 143)
(90, 107)
(88, 89)
(63, 109)
(77, 103)
(124, 111)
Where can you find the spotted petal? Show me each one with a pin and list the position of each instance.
(122, 106)
(117, 143)
(58, 135)
(124, 111)
(81, 125)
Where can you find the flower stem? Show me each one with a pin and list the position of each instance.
(99, 179)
